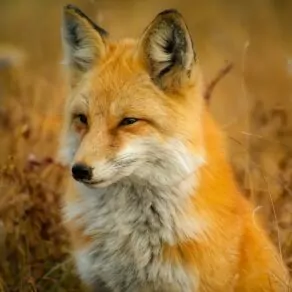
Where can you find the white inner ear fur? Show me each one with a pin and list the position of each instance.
(84, 54)
(157, 53)
(160, 36)
(82, 43)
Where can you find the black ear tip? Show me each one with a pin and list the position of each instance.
(71, 7)
(169, 12)
(68, 6)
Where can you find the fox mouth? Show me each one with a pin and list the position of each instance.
(92, 183)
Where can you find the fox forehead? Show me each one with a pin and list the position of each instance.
(118, 68)
(118, 84)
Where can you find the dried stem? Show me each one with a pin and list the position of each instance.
(220, 75)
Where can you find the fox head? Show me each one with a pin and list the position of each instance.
(135, 106)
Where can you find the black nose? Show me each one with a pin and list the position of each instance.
(81, 172)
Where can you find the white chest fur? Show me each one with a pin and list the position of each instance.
(129, 224)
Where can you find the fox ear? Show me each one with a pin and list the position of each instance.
(84, 41)
(167, 50)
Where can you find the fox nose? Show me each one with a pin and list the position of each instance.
(81, 172)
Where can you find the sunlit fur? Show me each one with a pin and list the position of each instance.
(162, 211)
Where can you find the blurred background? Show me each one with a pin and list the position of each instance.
(252, 103)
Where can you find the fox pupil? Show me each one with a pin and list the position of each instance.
(128, 121)
(82, 118)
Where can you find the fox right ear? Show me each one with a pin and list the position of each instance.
(167, 50)
(84, 41)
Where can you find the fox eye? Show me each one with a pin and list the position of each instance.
(81, 118)
(128, 121)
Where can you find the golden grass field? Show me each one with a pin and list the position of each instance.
(252, 103)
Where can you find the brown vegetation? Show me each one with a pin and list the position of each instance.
(252, 103)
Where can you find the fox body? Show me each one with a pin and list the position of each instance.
(153, 204)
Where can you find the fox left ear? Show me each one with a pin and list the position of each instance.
(167, 50)
(84, 41)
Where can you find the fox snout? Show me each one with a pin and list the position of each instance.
(84, 173)
(97, 174)
(81, 172)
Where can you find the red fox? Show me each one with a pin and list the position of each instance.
(152, 205)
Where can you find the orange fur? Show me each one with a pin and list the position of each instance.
(256, 265)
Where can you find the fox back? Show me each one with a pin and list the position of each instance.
(152, 204)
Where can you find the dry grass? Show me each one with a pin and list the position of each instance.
(252, 103)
